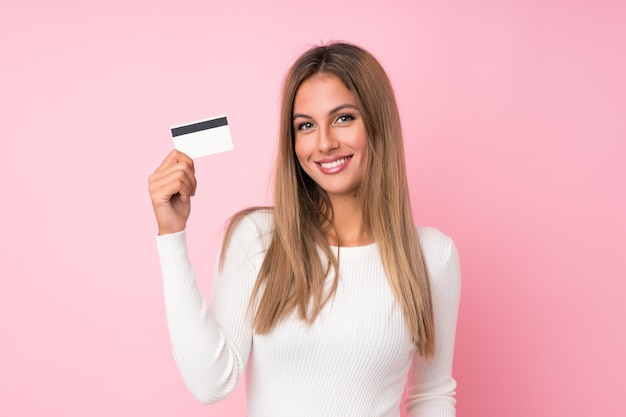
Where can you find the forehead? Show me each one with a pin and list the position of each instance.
(322, 90)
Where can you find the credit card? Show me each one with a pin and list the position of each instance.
(205, 137)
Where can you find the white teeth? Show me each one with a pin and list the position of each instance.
(333, 164)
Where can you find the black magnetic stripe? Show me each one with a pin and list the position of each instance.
(197, 127)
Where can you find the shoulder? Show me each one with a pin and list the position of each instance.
(440, 255)
(434, 241)
(259, 219)
(252, 226)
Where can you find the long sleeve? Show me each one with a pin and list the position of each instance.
(431, 387)
(210, 345)
(322, 369)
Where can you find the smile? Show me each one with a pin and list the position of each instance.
(335, 166)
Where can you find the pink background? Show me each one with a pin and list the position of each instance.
(514, 115)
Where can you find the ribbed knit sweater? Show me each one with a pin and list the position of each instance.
(354, 360)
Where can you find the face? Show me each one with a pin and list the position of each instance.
(330, 138)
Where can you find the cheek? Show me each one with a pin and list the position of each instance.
(356, 138)
(359, 142)
(301, 151)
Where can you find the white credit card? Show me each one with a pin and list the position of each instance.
(202, 138)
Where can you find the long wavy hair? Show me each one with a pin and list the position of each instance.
(292, 274)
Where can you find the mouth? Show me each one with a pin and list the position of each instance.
(332, 167)
(336, 163)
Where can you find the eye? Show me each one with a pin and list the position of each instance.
(344, 118)
(304, 126)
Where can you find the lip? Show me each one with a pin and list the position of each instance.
(333, 165)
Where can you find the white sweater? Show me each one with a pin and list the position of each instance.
(354, 360)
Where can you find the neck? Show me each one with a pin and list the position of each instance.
(348, 227)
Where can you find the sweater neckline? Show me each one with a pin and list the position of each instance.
(350, 251)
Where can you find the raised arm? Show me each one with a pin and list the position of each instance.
(210, 345)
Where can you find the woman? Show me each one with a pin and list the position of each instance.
(332, 299)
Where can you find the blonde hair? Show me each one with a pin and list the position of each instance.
(292, 274)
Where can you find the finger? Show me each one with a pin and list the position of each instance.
(174, 182)
(174, 157)
(165, 184)
(170, 171)
(166, 193)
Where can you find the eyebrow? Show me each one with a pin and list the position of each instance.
(333, 111)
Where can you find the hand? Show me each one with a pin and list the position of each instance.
(171, 187)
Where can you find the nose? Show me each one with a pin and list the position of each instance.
(327, 140)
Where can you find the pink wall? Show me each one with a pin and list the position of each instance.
(514, 113)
